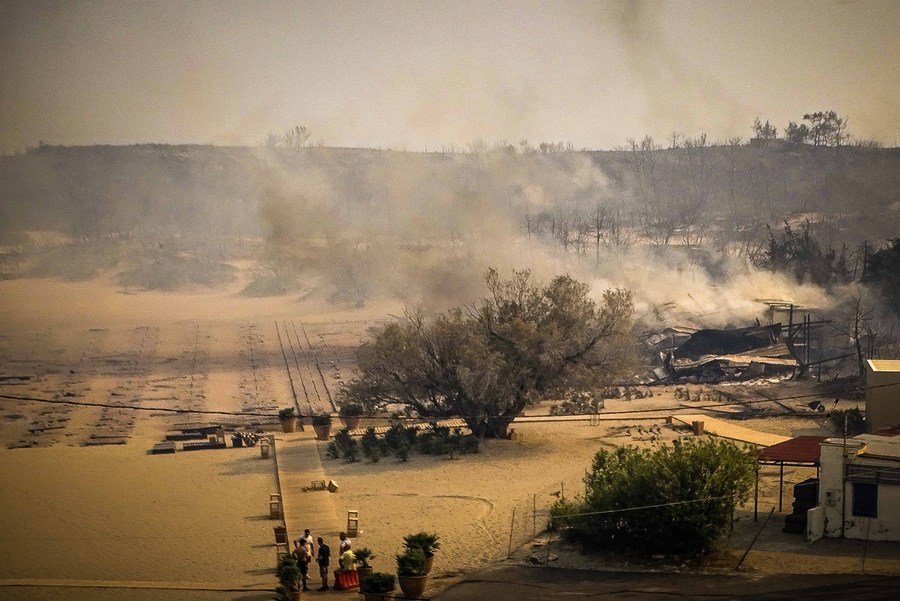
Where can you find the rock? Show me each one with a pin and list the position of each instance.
(534, 559)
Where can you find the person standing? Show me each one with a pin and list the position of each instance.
(346, 543)
(301, 554)
(323, 559)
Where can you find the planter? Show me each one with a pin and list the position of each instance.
(237, 441)
(322, 432)
(413, 586)
(365, 571)
(378, 596)
(295, 595)
(289, 425)
(429, 563)
(351, 422)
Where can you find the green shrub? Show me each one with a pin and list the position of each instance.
(377, 582)
(288, 572)
(287, 413)
(427, 542)
(698, 482)
(321, 419)
(364, 555)
(371, 447)
(351, 410)
(333, 451)
(411, 563)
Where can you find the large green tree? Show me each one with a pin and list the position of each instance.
(486, 363)
(687, 491)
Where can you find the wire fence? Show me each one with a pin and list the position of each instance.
(531, 516)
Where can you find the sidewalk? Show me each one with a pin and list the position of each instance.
(299, 464)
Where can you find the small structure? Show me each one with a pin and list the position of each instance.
(883, 393)
(859, 491)
(800, 451)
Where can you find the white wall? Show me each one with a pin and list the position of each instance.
(834, 494)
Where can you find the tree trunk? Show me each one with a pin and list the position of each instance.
(491, 427)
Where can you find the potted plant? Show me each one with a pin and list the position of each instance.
(288, 576)
(237, 440)
(288, 419)
(322, 426)
(363, 556)
(350, 414)
(377, 586)
(427, 542)
(411, 573)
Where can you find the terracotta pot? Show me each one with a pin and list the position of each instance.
(429, 563)
(378, 596)
(295, 595)
(365, 571)
(351, 422)
(413, 586)
(322, 432)
(289, 425)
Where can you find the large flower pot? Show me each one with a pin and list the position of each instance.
(429, 563)
(351, 422)
(378, 596)
(413, 586)
(295, 595)
(322, 432)
(365, 571)
(289, 425)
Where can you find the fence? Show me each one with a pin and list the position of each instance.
(530, 517)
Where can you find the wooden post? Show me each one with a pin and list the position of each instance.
(756, 496)
(512, 525)
(780, 484)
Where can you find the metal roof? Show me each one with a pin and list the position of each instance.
(800, 449)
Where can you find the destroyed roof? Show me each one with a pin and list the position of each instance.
(775, 354)
(727, 342)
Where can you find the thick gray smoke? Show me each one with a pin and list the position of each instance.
(355, 227)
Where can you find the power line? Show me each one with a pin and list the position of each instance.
(539, 418)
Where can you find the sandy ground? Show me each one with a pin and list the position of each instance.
(114, 513)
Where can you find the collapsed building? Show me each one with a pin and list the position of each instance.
(719, 354)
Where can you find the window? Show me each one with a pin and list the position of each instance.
(865, 499)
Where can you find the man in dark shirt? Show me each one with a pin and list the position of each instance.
(323, 558)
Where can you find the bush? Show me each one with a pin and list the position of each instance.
(288, 572)
(321, 419)
(364, 555)
(370, 445)
(378, 582)
(351, 451)
(351, 410)
(628, 477)
(427, 542)
(411, 563)
(288, 413)
(333, 451)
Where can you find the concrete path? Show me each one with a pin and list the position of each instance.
(299, 464)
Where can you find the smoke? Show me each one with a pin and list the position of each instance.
(674, 92)
(359, 226)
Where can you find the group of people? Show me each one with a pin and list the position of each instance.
(305, 551)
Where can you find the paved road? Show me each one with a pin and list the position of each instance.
(520, 583)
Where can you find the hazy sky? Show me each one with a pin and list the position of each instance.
(429, 74)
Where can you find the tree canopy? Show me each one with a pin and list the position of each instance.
(691, 489)
(486, 363)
